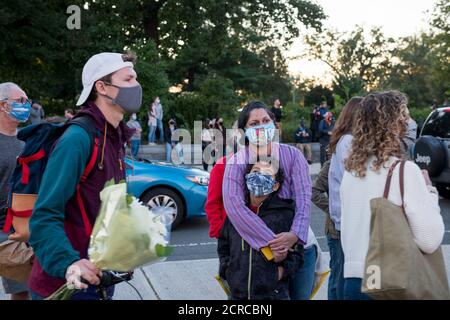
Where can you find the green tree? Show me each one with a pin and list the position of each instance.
(237, 40)
(412, 70)
(358, 61)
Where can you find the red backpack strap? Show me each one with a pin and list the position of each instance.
(24, 161)
(12, 213)
(87, 171)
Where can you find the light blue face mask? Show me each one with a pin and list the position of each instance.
(259, 184)
(261, 135)
(20, 111)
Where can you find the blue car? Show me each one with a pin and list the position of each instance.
(160, 184)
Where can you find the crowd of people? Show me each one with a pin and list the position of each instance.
(259, 196)
(259, 200)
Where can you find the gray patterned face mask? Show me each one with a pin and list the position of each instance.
(259, 184)
(129, 98)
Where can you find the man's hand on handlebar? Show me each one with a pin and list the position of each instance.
(82, 273)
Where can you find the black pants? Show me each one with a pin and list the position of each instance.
(213, 154)
(323, 151)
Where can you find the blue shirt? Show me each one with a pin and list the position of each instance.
(335, 175)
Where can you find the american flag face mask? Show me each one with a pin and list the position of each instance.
(261, 135)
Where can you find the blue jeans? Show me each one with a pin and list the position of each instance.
(301, 285)
(151, 134)
(135, 147)
(168, 152)
(336, 280)
(89, 294)
(178, 148)
(352, 289)
(159, 125)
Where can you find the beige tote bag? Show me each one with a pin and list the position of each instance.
(395, 267)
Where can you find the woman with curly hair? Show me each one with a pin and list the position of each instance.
(381, 124)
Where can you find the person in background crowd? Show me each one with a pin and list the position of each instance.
(172, 142)
(382, 123)
(276, 110)
(434, 105)
(315, 118)
(445, 104)
(206, 141)
(221, 146)
(14, 109)
(133, 123)
(68, 114)
(37, 112)
(159, 119)
(325, 130)
(235, 142)
(320, 197)
(152, 124)
(249, 275)
(323, 109)
(410, 137)
(339, 148)
(303, 139)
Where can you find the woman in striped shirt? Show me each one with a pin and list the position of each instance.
(258, 124)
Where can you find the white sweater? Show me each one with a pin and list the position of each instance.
(421, 208)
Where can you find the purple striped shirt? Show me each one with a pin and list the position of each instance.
(296, 186)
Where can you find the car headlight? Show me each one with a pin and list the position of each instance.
(200, 180)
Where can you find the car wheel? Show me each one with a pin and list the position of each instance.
(164, 197)
(444, 190)
(430, 154)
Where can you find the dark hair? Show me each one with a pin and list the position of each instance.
(126, 57)
(346, 121)
(245, 113)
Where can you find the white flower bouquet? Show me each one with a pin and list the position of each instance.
(126, 234)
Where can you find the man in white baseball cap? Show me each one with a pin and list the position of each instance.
(110, 81)
(69, 204)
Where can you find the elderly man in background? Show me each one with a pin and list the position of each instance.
(14, 109)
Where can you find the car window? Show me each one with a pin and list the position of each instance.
(438, 125)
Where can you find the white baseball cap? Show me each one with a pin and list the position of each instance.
(97, 67)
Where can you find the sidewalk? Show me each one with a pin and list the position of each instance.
(189, 280)
(194, 280)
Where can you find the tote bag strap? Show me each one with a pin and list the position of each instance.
(402, 182)
(387, 187)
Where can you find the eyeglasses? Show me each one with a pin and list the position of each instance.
(22, 100)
